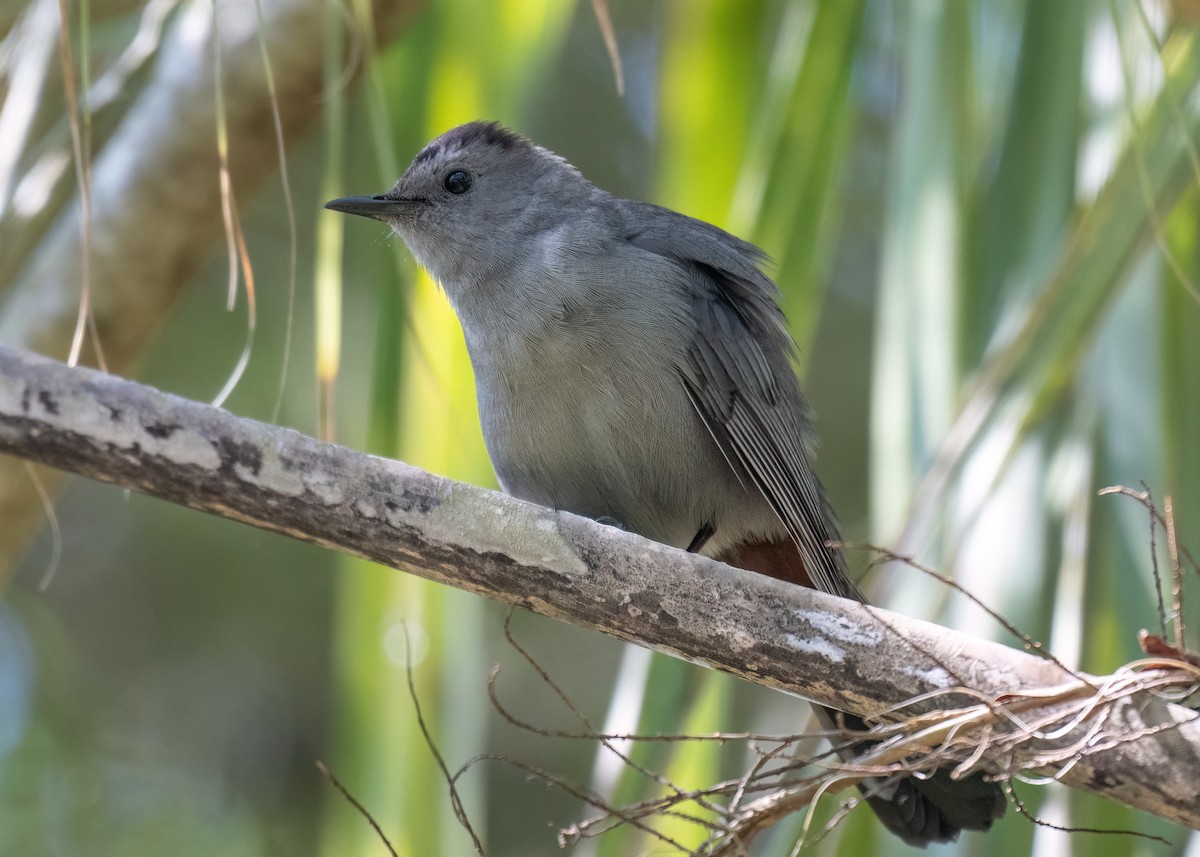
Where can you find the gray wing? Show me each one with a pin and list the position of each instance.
(739, 377)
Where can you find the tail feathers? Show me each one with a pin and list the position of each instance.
(919, 811)
(938, 808)
(934, 809)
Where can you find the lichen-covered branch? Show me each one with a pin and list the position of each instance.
(1112, 736)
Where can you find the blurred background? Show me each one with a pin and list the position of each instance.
(983, 218)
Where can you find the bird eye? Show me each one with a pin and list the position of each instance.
(458, 181)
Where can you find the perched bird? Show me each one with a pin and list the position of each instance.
(632, 364)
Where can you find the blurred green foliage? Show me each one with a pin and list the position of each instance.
(984, 221)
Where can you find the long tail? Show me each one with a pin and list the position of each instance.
(921, 811)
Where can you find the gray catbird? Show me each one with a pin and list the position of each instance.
(632, 365)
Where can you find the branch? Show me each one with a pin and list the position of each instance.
(1115, 738)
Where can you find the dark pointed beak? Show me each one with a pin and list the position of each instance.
(375, 207)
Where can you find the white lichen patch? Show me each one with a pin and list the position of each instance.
(271, 474)
(326, 489)
(367, 510)
(124, 428)
(841, 628)
(460, 519)
(816, 646)
(186, 447)
(934, 675)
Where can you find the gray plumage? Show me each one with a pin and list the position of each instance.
(631, 364)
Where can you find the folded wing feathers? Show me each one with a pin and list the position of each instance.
(731, 381)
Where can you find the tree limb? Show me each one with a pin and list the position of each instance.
(1119, 739)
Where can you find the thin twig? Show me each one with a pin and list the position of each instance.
(362, 810)
(455, 800)
(583, 718)
(1032, 645)
(1025, 812)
